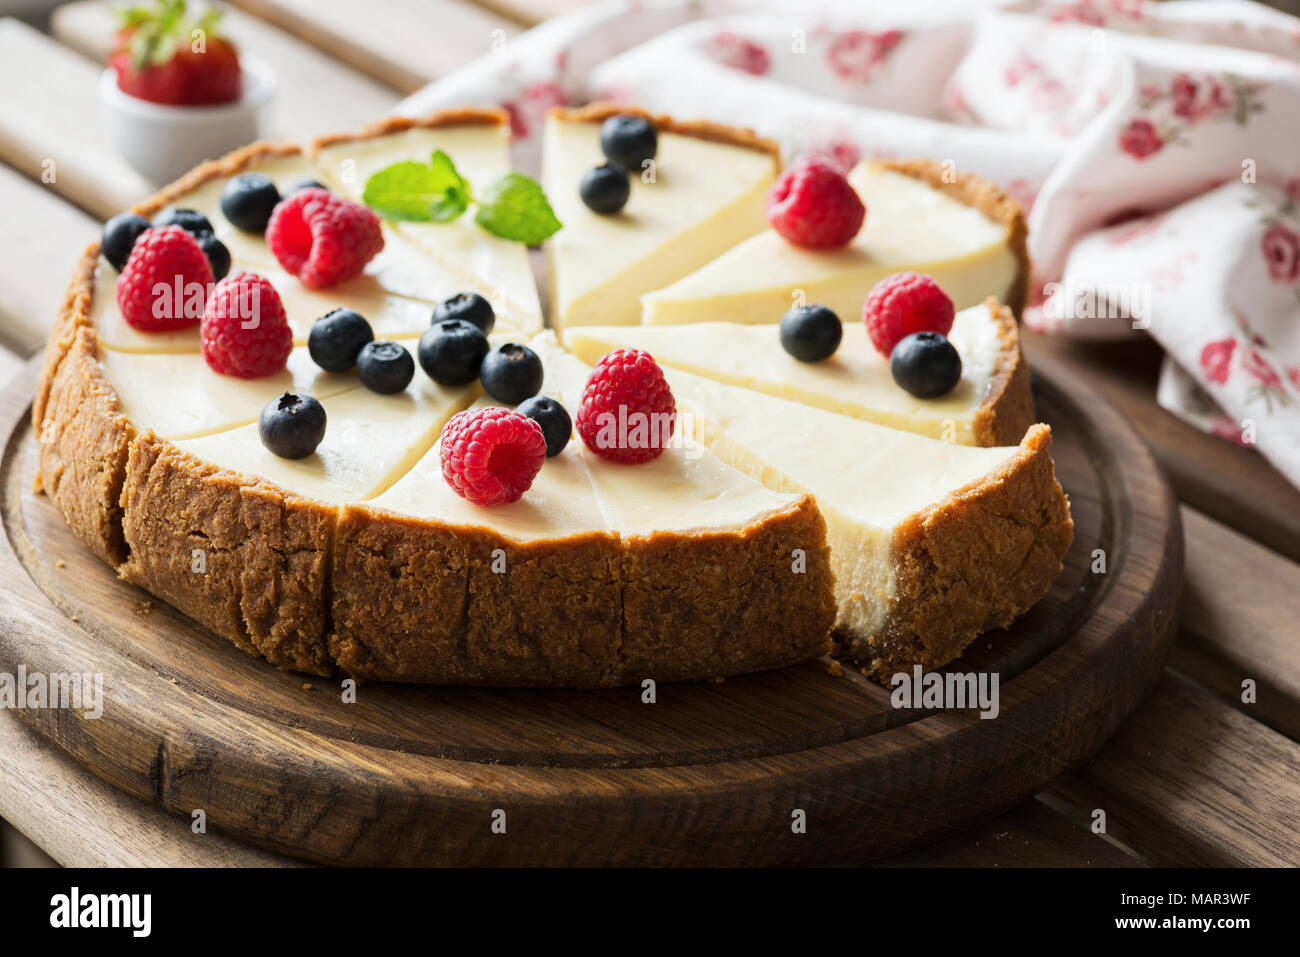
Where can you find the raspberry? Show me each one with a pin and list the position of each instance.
(245, 332)
(170, 258)
(812, 204)
(627, 412)
(902, 304)
(322, 238)
(490, 456)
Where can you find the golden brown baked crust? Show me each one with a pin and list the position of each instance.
(1008, 409)
(82, 436)
(460, 116)
(972, 562)
(700, 129)
(759, 612)
(422, 600)
(989, 199)
(243, 557)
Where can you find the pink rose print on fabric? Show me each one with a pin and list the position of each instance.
(1023, 192)
(531, 105)
(1281, 248)
(1216, 358)
(839, 151)
(1140, 139)
(1195, 100)
(855, 55)
(1270, 388)
(1225, 428)
(733, 50)
(1293, 373)
(1187, 101)
(1134, 225)
(1259, 369)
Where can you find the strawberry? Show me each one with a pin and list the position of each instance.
(157, 83)
(212, 75)
(163, 56)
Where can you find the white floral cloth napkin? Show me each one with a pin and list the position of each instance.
(1155, 146)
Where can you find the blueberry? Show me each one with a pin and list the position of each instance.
(190, 220)
(628, 140)
(292, 425)
(217, 253)
(811, 333)
(469, 306)
(337, 338)
(120, 234)
(554, 420)
(926, 365)
(247, 201)
(385, 367)
(452, 351)
(511, 373)
(304, 184)
(605, 189)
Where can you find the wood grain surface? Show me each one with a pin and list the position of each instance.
(711, 773)
(49, 123)
(405, 44)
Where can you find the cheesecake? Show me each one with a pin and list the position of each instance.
(179, 397)
(991, 404)
(703, 194)
(478, 143)
(630, 559)
(801, 509)
(372, 440)
(921, 217)
(932, 543)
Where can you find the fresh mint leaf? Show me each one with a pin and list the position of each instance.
(403, 191)
(515, 207)
(456, 191)
(419, 192)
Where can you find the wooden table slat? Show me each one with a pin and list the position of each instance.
(49, 114)
(404, 43)
(1188, 781)
(1030, 835)
(316, 94)
(1240, 621)
(42, 240)
(92, 824)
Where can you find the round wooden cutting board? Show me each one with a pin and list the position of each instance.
(712, 773)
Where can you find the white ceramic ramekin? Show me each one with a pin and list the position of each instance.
(163, 141)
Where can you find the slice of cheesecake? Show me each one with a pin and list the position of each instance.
(991, 405)
(371, 440)
(179, 396)
(921, 217)
(478, 143)
(429, 587)
(720, 574)
(704, 194)
(931, 543)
